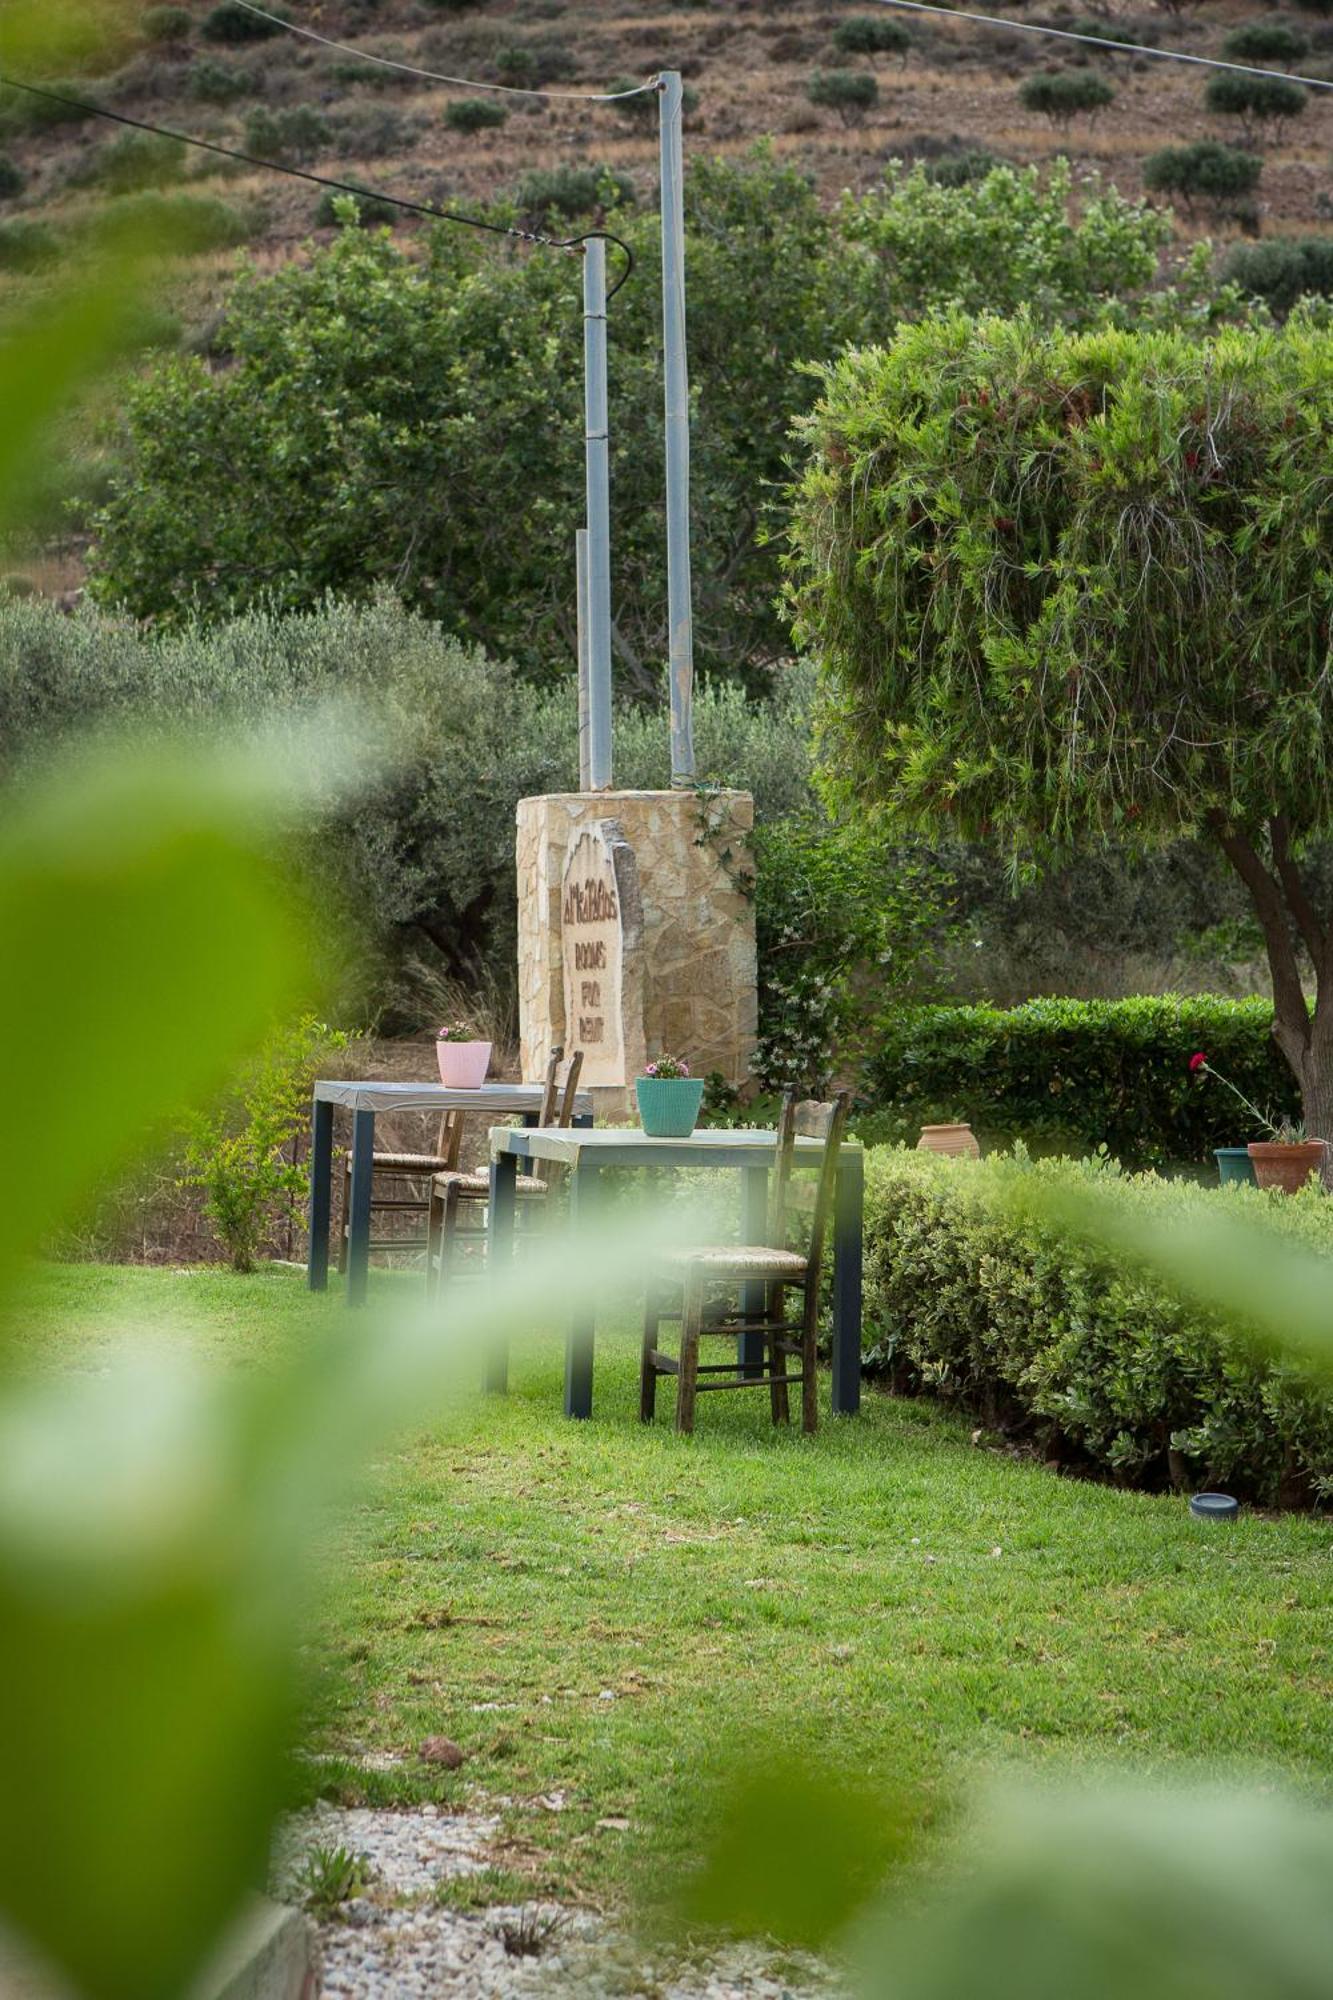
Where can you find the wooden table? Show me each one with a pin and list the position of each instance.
(364, 1101)
(751, 1153)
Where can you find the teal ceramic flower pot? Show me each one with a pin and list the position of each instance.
(1234, 1164)
(669, 1105)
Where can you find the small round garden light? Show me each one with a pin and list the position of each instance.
(1214, 1507)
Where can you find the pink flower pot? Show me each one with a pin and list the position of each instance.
(463, 1065)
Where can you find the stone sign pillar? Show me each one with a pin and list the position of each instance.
(636, 934)
(601, 941)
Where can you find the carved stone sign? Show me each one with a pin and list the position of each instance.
(599, 918)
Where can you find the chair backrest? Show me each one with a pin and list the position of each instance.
(551, 1088)
(562, 1089)
(798, 1191)
(449, 1140)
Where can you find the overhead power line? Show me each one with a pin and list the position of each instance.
(434, 76)
(944, 12)
(570, 243)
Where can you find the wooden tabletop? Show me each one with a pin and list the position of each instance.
(627, 1146)
(360, 1094)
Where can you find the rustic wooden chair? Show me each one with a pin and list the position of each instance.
(801, 1205)
(411, 1173)
(453, 1193)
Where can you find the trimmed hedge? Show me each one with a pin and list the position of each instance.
(1090, 1072)
(973, 1297)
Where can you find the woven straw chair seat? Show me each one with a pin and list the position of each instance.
(420, 1163)
(480, 1184)
(743, 1260)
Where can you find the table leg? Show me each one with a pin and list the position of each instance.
(847, 1235)
(501, 1211)
(358, 1230)
(583, 1204)
(754, 1293)
(321, 1194)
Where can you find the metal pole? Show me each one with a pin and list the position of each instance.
(597, 457)
(680, 617)
(581, 572)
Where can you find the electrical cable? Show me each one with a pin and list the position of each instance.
(433, 76)
(949, 13)
(570, 243)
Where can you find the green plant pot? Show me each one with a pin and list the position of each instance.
(1234, 1164)
(669, 1105)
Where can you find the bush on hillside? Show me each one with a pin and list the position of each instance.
(365, 211)
(26, 245)
(1088, 1073)
(165, 24)
(179, 225)
(571, 192)
(12, 181)
(294, 135)
(872, 35)
(1204, 171)
(1263, 104)
(74, 103)
(956, 170)
(230, 22)
(134, 161)
(211, 82)
(1283, 270)
(1063, 95)
(1273, 40)
(474, 114)
(852, 93)
(973, 1294)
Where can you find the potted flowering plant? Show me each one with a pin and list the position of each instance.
(463, 1062)
(1285, 1159)
(669, 1098)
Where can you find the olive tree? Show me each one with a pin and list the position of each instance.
(1068, 590)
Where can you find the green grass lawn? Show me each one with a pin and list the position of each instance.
(605, 1618)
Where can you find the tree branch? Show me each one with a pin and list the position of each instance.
(1291, 1014)
(1313, 935)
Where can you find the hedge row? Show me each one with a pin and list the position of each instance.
(1089, 1072)
(971, 1296)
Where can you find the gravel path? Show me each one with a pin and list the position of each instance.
(397, 1940)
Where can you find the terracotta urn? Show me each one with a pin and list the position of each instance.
(958, 1141)
(1288, 1167)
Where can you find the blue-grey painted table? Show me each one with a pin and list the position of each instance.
(364, 1100)
(751, 1153)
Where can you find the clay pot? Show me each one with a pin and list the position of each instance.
(1286, 1167)
(958, 1141)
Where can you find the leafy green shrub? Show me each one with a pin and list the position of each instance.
(229, 22)
(130, 162)
(474, 114)
(641, 108)
(180, 225)
(530, 65)
(962, 169)
(372, 131)
(364, 211)
(852, 93)
(871, 35)
(1088, 1072)
(1273, 40)
(1203, 171)
(20, 112)
(571, 191)
(27, 246)
(1261, 103)
(165, 24)
(211, 82)
(243, 1154)
(1064, 94)
(12, 181)
(972, 1292)
(1282, 270)
(296, 134)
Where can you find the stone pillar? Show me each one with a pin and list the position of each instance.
(686, 979)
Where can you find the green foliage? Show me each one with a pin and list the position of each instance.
(1065, 94)
(21, 113)
(973, 1292)
(1087, 1073)
(1261, 103)
(294, 135)
(871, 35)
(165, 25)
(1282, 270)
(852, 93)
(330, 1877)
(845, 925)
(1271, 40)
(955, 170)
(363, 211)
(26, 245)
(474, 114)
(12, 181)
(1203, 170)
(641, 107)
(230, 22)
(213, 82)
(130, 162)
(184, 225)
(243, 1153)
(571, 192)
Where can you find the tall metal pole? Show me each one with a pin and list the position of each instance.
(581, 577)
(598, 471)
(680, 616)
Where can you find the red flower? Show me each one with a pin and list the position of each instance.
(1198, 1062)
